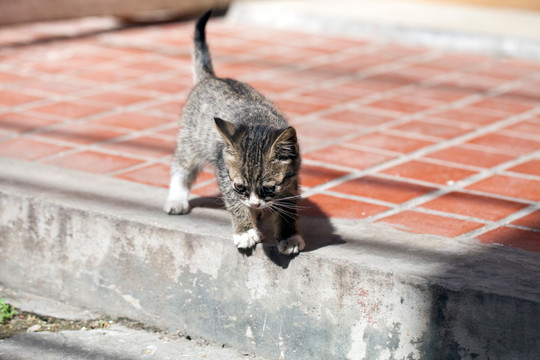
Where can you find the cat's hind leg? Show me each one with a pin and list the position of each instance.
(182, 178)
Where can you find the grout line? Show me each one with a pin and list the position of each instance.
(502, 222)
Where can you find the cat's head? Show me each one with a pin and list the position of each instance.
(262, 162)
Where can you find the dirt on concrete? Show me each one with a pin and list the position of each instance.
(23, 322)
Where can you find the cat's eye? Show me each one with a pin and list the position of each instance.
(239, 188)
(269, 190)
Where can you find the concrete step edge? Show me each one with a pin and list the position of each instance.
(104, 245)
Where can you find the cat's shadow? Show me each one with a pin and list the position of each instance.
(313, 225)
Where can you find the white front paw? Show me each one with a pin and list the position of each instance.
(176, 206)
(292, 245)
(248, 239)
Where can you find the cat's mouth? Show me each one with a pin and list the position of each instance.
(255, 204)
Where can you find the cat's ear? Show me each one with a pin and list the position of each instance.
(227, 130)
(286, 145)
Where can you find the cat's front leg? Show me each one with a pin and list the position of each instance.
(177, 200)
(246, 235)
(288, 239)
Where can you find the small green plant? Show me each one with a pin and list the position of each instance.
(6, 311)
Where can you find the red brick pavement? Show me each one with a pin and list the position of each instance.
(427, 141)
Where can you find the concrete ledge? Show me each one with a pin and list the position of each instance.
(361, 291)
(455, 27)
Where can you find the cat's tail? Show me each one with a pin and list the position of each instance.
(202, 62)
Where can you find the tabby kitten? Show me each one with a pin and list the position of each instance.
(230, 125)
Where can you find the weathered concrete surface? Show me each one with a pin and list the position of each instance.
(114, 343)
(360, 292)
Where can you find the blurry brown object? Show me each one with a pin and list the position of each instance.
(21, 11)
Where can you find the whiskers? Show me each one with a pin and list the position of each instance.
(284, 207)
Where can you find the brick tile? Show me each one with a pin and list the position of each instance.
(509, 186)
(322, 205)
(29, 149)
(352, 158)
(508, 144)
(239, 69)
(516, 66)
(531, 221)
(420, 170)
(321, 130)
(502, 105)
(518, 238)
(357, 117)
(531, 167)
(6, 77)
(155, 175)
(336, 94)
(275, 56)
(299, 107)
(152, 67)
(162, 86)
(432, 129)
(482, 207)
(132, 121)
(391, 142)
(527, 96)
(363, 87)
(23, 122)
(169, 107)
(144, 146)
(477, 83)
(398, 105)
(526, 127)
(158, 175)
(117, 98)
(498, 70)
(94, 162)
(111, 76)
(468, 156)
(422, 223)
(11, 98)
(80, 134)
(312, 175)
(395, 79)
(56, 86)
(70, 110)
(442, 92)
(208, 190)
(271, 87)
(60, 66)
(423, 71)
(395, 51)
(348, 66)
(336, 44)
(452, 61)
(382, 189)
(172, 131)
(527, 93)
(308, 143)
(468, 115)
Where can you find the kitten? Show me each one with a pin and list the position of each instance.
(230, 125)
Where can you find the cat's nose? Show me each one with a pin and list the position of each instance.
(254, 201)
